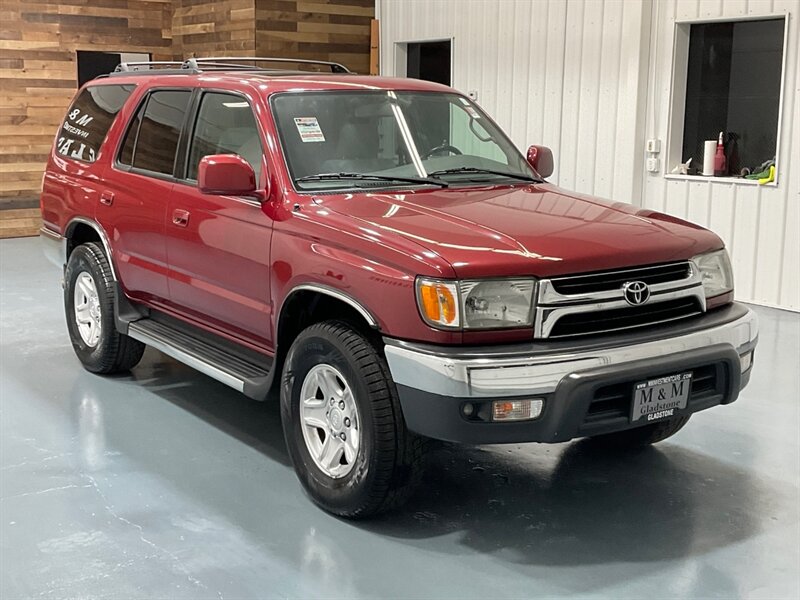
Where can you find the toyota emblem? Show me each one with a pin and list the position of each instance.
(636, 292)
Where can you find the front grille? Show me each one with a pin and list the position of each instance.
(613, 280)
(629, 317)
(611, 404)
(595, 303)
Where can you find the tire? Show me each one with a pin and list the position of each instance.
(383, 470)
(644, 435)
(101, 349)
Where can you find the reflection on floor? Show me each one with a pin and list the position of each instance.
(164, 483)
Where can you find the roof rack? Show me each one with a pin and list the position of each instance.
(223, 63)
(131, 67)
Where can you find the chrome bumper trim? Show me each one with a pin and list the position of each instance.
(498, 375)
(54, 246)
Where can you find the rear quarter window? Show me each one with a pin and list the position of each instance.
(88, 120)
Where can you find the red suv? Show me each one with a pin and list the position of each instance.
(379, 251)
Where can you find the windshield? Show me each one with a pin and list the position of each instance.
(346, 140)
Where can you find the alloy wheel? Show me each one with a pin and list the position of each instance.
(87, 309)
(330, 420)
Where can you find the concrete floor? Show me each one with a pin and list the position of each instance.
(165, 483)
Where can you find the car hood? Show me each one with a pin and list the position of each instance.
(538, 230)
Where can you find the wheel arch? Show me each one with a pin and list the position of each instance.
(307, 304)
(81, 230)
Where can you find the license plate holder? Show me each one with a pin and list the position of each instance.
(661, 397)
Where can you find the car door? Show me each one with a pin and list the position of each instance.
(218, 246)
(136, 190)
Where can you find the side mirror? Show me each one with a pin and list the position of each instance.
(226, 175)
(541, 159)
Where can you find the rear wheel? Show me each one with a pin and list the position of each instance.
(343, 425)
(89, 295)
(644, 435)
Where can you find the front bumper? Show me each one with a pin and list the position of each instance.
(573, 378)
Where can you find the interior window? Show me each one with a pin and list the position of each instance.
(468, 133)
(160, 130)
(225, 125)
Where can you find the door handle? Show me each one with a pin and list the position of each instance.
(180, 218)
(107, 198)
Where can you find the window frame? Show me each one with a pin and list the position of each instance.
(677, 96)
(142, 105)
(102, 145)
(182, 170)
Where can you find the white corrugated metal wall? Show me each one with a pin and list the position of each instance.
(760, 225)
(575, 75)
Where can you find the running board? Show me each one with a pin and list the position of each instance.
(227, 367)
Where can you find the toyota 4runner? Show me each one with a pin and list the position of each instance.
(378, 251)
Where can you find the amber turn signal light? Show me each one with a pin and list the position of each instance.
(438, 302)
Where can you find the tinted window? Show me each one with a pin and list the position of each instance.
(160, 130)
(89, 119)
(126, 153)
(225, 125)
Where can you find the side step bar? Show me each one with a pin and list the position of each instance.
(244, 375)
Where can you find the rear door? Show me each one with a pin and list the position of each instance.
(218, 246)
(135, 195)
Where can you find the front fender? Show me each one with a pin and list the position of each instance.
(382, 293)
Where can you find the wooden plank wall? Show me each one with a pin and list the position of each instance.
(209, 28)
(337, 30)
(38, 70)
(18, 222)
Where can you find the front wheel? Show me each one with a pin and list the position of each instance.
(343, 425)
(89, 294)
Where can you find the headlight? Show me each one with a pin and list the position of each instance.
(489, 304)
(497, 304)
(715, 271)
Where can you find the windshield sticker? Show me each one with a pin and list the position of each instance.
(309, 130)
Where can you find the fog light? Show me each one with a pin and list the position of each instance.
(516, 410)
(747, 360)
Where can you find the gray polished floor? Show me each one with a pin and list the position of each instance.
(166, 484)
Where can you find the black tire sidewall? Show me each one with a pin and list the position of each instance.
(346, 494)
(82, 260)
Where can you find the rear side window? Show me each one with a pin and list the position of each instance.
(152, 137)
(89, 119)
(126, 154)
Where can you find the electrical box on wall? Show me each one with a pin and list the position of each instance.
(653, 146)
(653, 165)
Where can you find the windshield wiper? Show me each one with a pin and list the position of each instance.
(488, 171)
(371, 177)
